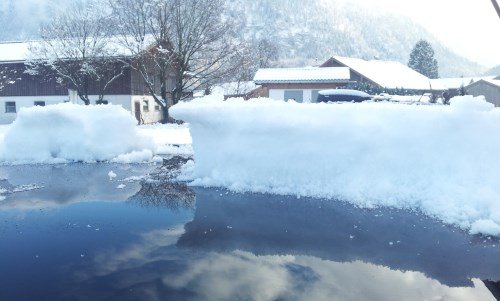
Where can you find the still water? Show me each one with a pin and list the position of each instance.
(70, 232)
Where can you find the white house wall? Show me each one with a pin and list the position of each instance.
(126, 101)
(25, 102)
(152, 115)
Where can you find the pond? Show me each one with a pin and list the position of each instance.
(72, 232)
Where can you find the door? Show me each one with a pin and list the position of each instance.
(137, 110)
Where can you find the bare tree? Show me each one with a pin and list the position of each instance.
(77, 48)
(8, 76)
(497, 7)
(178, 45)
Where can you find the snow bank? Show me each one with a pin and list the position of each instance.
(442, 160)
(69, 132)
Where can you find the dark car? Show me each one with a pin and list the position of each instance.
(342, 95)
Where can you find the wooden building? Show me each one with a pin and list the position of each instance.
(489, 88)
(389, 75)
(28, 90)
(300, 84)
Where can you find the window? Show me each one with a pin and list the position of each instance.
(10, 107)
(145, 105)
(314, 95)
(39, 103)
(157, 108)
(297, 95)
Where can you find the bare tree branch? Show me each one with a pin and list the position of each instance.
(178, 45)
(77, 49)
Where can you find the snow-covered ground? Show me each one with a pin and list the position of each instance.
(441, 160)
(69, 133)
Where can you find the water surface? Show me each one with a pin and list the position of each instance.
(73, 234)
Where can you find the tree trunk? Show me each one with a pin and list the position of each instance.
(166, 115)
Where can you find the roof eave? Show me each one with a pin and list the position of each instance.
(339, 81)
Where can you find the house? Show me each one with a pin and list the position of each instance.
(300, 84)
(244, 89)
(28, 90)
(388, 75)
(454, 85)
(489, 88)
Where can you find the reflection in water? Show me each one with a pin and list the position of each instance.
(153, 269)
(173, 196)
(66, 184)
(232, 247)
(266, 225)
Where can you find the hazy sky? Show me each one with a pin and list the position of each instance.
(470, 27)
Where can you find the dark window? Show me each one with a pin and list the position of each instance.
(101, 102)
(145, 106)
(157, 108)
(39, 103)
(10, 107)
(297, 95)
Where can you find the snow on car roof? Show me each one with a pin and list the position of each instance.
(389, 74)
(302, 75)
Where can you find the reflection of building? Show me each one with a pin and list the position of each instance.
(276, 225)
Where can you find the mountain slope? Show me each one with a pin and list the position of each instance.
(311, 33)
(307, 32)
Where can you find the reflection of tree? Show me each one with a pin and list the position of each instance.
(169, 195)
(163, 191)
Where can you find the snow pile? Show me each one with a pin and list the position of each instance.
(442, 160)
(69, 132)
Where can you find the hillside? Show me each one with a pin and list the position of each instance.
(305, 34)
(310, 34)
(493, 71)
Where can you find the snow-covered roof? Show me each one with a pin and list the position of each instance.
(344, 92)
(14, 51)
(234, 88)
(20, 51)
(491, 81)
(456, 83)
(302, 75)
(389, 74)
(496, 82)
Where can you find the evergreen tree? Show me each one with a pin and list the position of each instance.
(422, 59)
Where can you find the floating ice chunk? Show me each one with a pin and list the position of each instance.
(111, 175)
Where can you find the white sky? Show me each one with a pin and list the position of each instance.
(469, 27)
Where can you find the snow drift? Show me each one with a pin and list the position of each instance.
(69, 132)
(441, 160)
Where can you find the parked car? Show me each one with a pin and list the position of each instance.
(342, 95)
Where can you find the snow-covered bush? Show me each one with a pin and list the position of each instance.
(370, 154)
(69, 132)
